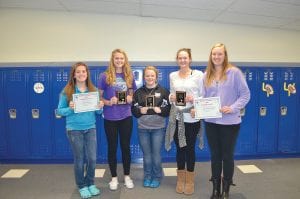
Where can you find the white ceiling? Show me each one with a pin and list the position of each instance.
(279, 14)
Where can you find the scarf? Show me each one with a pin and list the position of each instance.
(176, 112)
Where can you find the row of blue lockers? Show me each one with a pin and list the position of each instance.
(30, 131)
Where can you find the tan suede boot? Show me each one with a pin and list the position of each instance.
(180, 181)
(189, 183)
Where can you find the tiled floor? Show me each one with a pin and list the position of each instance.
(255, 179)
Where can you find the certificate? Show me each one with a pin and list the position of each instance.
(207, 108)
(84, 102)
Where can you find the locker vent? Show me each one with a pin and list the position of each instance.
(15, 76)
(39, 76)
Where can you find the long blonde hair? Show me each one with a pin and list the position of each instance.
(211, 70)
(70, 87)
(111, 71)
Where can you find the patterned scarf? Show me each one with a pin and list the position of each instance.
(176, 112)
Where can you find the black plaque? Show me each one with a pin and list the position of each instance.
(150, 101)
(180, 98)
(121, 95)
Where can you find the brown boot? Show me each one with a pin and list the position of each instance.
(189, 183)
(180, 181)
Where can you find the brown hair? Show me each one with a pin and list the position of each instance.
(210, 69)
(111, 71)
(187, 50)
(70, 87)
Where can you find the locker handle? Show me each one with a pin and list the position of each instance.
(283, 110)
(12, 113)
(243, 112)
(35, 113)
(263, 111)
(57, 116)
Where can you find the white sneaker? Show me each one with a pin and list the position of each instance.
(113, 185)
(128, 182)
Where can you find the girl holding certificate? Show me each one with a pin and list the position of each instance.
(185, 86)
(81, 129)
(151, 106)
(226, 81)
(116, 87)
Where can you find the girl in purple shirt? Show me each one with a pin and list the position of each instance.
(226, 81)
(116, 88)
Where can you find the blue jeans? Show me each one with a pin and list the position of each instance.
(151, 141)
(84, 147)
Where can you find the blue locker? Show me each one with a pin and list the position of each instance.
(95, 74)
(163, 78)
(39, 109)
(102, 145)
(136, 151)
(61, 146)
(101, 155)
(170, 155)
(16, 113)
(288, 110)
(298, 103)
(3, 139)
(202, 154)
(268, 101)
(247, 140)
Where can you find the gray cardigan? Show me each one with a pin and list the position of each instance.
(175, 112)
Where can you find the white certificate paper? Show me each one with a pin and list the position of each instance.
(84, 102)
(207, 108)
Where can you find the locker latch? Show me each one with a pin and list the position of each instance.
(263, 111)
(283, 110)
(12, 113)
(57, 116)
(242, 112)
(35, 113)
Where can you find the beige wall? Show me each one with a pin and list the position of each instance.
(40, 36)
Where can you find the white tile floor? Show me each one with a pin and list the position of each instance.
(15, 173)
(99, 173)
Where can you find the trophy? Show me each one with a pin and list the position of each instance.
(150, 101)
(180, 98)
(121, 96)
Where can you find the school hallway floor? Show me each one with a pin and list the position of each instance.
(254, 179)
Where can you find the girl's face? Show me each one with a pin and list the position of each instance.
(218, 56)
(80, 74)
(183, 59)
(150, 78)
(119, 60)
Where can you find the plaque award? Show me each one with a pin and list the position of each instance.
(121, 96)
(150, 101)
(180, 98)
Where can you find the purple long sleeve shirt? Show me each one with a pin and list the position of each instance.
(233, 92)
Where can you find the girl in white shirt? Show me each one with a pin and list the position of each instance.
(190, 82)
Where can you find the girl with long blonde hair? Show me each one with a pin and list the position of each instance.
(116, 87)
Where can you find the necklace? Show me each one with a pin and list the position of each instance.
(152, 89)
(185, 74)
